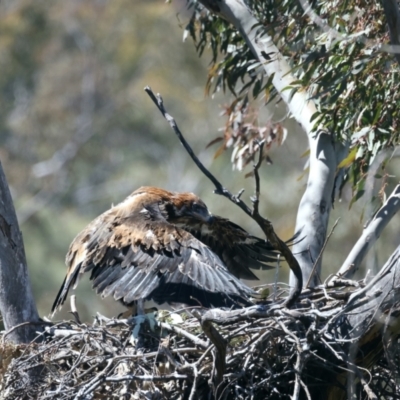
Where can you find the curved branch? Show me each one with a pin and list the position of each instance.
(264, 224)
(371, 234)
(369, 307)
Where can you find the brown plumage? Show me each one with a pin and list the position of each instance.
(166, 247)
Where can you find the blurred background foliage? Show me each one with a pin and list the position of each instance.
(78, 133)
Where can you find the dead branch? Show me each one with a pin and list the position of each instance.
(263, 223)
(257, 352)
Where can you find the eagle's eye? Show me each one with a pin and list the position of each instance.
(196, 207)
(200, 211)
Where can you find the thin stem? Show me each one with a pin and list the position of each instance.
(320, 254)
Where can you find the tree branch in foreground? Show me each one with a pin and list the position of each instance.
(264, 224)
(17, 304)
(370, 234)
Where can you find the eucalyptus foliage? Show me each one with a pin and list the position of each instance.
(335, 52)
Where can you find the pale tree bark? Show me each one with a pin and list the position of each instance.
(369, 320)
(17, 305)
(315, 206)
(370, 234)
(369, 324)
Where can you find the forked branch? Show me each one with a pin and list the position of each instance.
(264, 223)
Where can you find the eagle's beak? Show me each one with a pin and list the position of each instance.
(204, 216)
(209, 219)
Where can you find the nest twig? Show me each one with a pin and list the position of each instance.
(272, 356)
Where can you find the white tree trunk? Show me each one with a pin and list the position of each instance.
(314, 209)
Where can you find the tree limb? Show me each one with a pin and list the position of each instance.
(264, 224)
(370, 234)
(17, 304)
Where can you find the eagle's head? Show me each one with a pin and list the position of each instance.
(178, 208)
(188, 208)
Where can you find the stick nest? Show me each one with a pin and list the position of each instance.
(287, 353)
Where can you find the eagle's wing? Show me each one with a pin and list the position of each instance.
(143, 257)
(239, 250)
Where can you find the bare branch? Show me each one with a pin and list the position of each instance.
(256, 199)
(320, 254)
(370, 234)
(144, 378)
(220, 346)
(182, 332)
(264, 224)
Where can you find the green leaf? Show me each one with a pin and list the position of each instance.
(349, 159)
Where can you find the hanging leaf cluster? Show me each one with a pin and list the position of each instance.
(243, 133)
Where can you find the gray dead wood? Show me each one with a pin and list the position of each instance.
(17, 305)
(368, 324)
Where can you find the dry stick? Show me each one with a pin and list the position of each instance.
(203, 356)
(371, 395)
(95, 382)
(305, 388)
(264, 224)
(299, 362)
(320, 254)
(172, 328)
(192, 395)
(130, 377)
(220, 345)
(37, 323)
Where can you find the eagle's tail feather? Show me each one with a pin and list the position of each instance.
(69, 281)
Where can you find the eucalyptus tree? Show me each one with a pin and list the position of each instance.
(329, 62)
(335, 66)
